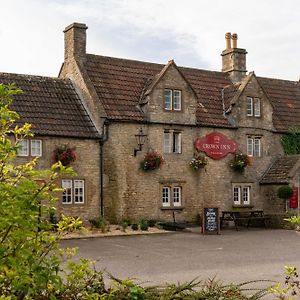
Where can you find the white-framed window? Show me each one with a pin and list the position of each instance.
(172, 196)
(177, 100)
(67, 186)
(24, 148)
(253, 107)
(172, 99)
(254, 146)
(177, 196)
(36, 147)
(166, 196)
(73, 191)
(241, 194)
(30, 148)
(78, 191)
(172, 141)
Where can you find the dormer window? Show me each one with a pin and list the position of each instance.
(253, 107)
(172, 100)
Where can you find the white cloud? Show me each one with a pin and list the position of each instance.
(191, 32)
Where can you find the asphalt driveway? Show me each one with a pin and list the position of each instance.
(231, 257)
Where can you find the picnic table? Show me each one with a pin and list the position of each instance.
(245, 215)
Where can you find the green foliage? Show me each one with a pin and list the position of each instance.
(69, 224)
(144, 225)
(294, 220)
(285, 192)
(291, 141)
(291, 288)
(29, 252)
(100, 223)
(134, 226)
(152, 222)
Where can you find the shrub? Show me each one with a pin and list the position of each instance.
(124, 225)
(285, 192)
(198, 219)
(144, 225)
(134, 226)
(152, 222)
(100, 223)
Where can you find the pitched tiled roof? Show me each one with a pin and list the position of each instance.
(280, 170)
(51, 105)
(285, 98)
(119, 84)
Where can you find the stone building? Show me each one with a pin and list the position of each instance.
(174, 106)
(59, 119)
(182, 113)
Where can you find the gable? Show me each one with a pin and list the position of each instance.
(250, 106)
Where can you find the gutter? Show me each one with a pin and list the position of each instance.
(102, 140)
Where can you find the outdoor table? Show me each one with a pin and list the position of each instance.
(248, 215)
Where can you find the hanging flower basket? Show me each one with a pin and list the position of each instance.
(65, 155)
(240, 162)
(152, 161)
(198, 162)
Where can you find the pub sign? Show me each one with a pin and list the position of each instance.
(216, 145)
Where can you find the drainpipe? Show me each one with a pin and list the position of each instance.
(102, 140)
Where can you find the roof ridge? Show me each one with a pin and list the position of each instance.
(34, 76)
(278, 79)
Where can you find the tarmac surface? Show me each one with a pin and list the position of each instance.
(232, 256)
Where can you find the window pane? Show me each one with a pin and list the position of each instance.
(246, 195)
(256, 150)
(177, 196)
(168, 99)
(79, 191)
(66, 184)
(24, 149)
(177, 142)
(256, 107)
(36, 148)
(167, 142)
(250, 146)
(237, 195)
(249, 106)
(166, 196)
(177, 100)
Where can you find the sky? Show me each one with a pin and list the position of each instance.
(192, 32)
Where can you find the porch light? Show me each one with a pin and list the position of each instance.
(140, 140)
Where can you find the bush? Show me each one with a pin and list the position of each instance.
(134, 226)
(198, 219)
(285, 192)
(144, 225)
(100, 223)
(152, 222)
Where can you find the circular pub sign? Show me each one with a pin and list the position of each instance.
(216, 145)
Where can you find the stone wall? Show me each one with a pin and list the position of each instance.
(131, 192)
(87, 168)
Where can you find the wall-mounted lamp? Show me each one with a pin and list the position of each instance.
(140, 140)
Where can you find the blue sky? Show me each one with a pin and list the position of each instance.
(191, 32)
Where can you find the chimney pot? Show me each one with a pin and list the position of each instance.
(75, 41)
(234, 38)
(228, 40)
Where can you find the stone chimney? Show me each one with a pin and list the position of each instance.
(75, 41)
(233, 58)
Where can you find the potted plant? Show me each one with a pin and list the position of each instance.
(285, 192)
(198, 162)
(152, 161)
(240, 162)
(65, 154)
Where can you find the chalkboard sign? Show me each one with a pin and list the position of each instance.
(210, 220)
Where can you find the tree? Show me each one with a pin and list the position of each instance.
(291, 141)
(29, 254)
